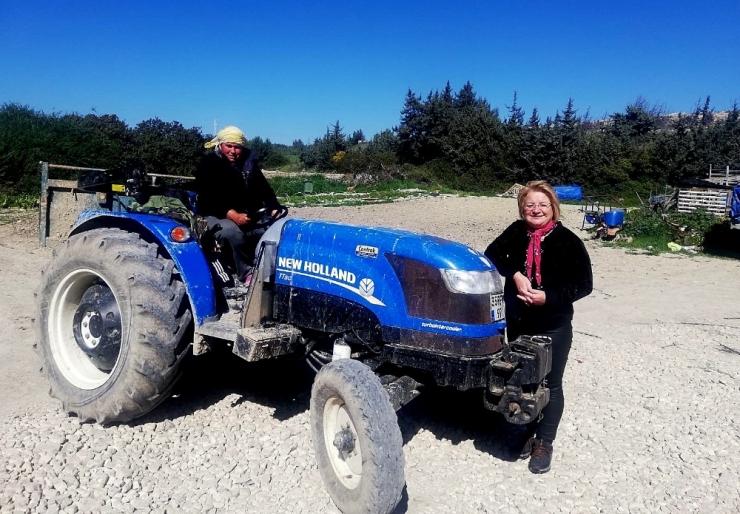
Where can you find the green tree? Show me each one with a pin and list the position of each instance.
(269, 155)
(168, 147)
(24, 133)
(534, 119)
(321, 154)
(357, 137)
(411, 131)
(384, 142)
(516, 113)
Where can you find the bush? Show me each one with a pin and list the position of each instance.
(648, 228)
(367, 168)
(692, 227)
(644, 223)
(275, 161)
(432, 172)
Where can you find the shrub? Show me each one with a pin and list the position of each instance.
(644, 223)
(693, 227)
(649, 228)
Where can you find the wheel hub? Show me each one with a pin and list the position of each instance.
(91, 328)
(340, 432)
(344, 440)
(97, 326)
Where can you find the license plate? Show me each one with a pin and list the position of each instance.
(498, 310)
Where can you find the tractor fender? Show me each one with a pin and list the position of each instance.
(187, 256)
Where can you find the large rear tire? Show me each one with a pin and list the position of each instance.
(357, 439)
(113, 325)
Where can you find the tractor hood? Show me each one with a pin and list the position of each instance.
(408, 281)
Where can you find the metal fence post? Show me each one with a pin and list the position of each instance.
(43, 202)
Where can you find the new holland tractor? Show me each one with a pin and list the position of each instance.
(377, 312)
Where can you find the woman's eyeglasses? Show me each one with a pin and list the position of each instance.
(531, 206)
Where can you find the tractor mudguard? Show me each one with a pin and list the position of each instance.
(187, 256)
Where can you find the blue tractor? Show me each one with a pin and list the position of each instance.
(376, 312)
(735, 208)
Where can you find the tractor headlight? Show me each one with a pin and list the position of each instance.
(472, 282)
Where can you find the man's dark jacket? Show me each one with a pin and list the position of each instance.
(566, 274)
(222, 186)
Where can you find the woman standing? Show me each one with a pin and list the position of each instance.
(547, 268)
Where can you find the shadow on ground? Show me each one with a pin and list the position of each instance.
(723, 241)
(207, 379)
(285, 386)
(457, 416)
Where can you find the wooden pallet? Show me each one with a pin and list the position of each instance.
(714, 201)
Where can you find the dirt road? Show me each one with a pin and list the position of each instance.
(652, 417)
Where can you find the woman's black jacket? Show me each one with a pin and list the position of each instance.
(566, 274)
(222, 186)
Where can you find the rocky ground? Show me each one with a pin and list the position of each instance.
(652, 420)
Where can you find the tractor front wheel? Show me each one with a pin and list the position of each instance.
(357, 439)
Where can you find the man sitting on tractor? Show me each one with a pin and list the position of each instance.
(231, 190)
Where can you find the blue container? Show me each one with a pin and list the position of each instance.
(593, 218)
(614, 218)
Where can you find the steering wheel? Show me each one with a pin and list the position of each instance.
(262, 218)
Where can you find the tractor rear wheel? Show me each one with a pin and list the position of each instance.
(113, 325)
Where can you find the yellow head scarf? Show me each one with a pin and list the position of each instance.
(228, 134)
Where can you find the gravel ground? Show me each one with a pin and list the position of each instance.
(652, 421)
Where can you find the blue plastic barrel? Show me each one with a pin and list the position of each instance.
(614, 218)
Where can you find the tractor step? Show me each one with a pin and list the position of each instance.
(226, 327)
(257, 343)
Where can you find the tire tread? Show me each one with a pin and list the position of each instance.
(157, 334)
(363, 393)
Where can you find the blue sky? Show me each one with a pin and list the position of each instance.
(286, 70)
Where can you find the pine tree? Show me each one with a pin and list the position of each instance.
(516, 113)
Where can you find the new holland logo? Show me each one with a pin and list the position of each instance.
(367, 287)
(287, 268)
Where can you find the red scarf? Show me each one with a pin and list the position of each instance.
(534, 251)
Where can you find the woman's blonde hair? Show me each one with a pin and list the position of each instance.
(539, 186)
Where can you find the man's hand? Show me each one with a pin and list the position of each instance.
(237, 217)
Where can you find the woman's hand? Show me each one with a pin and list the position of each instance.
(527, 294)
(534, 297)
(237, 217)
(523, 285)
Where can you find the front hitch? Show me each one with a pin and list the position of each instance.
(515, 379)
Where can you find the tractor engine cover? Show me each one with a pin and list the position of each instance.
(388, 285)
